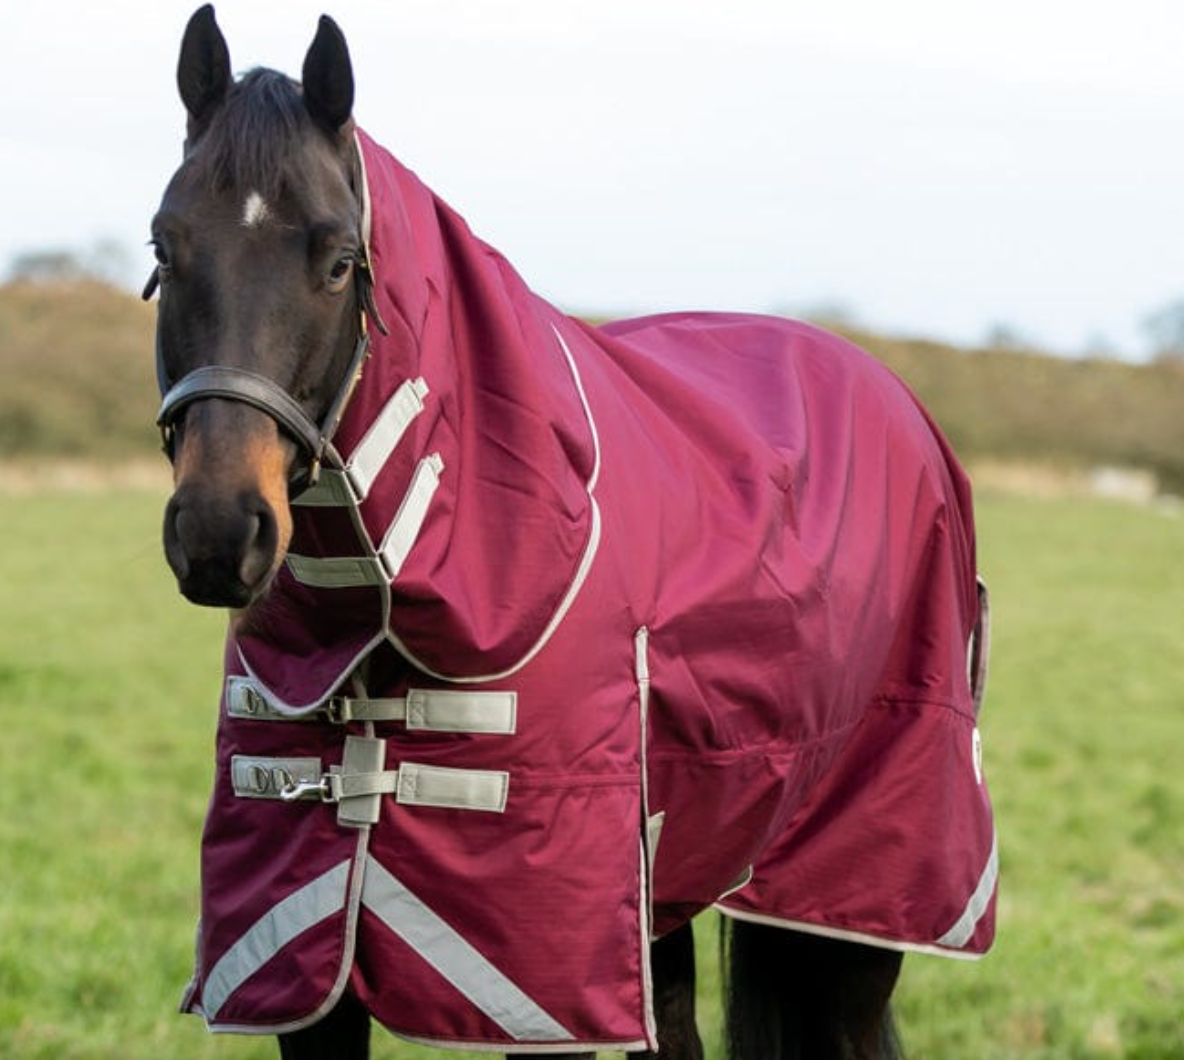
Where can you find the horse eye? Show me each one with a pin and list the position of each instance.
(340, 271)
(163, 261)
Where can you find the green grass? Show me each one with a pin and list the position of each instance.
(1084, 725)
(107, 688)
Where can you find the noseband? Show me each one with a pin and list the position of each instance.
(250, 388)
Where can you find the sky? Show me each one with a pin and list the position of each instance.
(927, 168)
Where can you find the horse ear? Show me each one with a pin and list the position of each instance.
(203, 71)
(328, 77)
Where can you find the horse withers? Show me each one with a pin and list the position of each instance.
(544, 638)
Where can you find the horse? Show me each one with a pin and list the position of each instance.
(544, 637)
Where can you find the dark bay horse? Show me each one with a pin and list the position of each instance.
(281, 302)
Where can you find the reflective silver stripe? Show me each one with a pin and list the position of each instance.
(456, 960)
(352, 485)
(343, 572)
(301, 910)
(409, 519)
(963, 929)
(264, 778)
(423, 709)
(458, 789)
(293, 779)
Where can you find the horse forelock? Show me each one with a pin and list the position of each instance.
(255, 139)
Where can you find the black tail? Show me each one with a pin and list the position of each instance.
(791, 996)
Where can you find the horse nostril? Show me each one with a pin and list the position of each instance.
(174, 550)
(262, 541)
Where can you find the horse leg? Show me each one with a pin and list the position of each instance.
(792, 996)
(344, 1034)
(672, 962)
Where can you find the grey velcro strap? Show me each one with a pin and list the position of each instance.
(383, 566)
(460, 789)
(412, 784)
(351, 485)
(422, 709)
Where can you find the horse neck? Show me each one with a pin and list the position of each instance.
(510, 420)
(510, 517)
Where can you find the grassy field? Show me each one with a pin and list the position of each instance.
(107, 687)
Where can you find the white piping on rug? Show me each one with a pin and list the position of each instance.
(582, 571)
(301, 910)
(650, 833)
(353, 905)
(364, 192)
(948, 945)
(319, 700)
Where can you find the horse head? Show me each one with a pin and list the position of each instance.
(261, 269)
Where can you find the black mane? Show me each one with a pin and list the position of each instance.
(255, 136)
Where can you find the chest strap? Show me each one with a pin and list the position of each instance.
(422, 710)
(351, 485)
(382, 566)
(356, 791)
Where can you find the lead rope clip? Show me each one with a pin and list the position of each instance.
(294, 791)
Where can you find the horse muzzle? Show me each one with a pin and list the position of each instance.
(223, 551)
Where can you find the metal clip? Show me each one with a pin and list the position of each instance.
(305, 789)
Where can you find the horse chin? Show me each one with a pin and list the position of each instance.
(206, 595)
(211, 585)
(235, 594)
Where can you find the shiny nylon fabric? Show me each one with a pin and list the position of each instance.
(793, 537)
